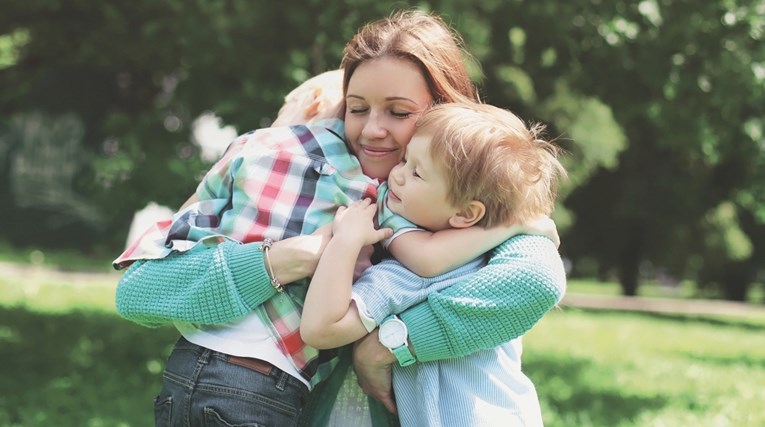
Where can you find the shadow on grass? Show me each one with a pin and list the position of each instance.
(747, 361)
(576, 392)
(78, 369)
(754, 324)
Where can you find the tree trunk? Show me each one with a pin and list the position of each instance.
(628, 275)
(629, 260)
(736, 280)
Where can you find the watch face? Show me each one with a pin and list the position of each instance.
(393, 333)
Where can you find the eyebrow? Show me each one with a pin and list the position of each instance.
(389, 98)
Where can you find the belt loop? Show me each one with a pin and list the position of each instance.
(204, 358)
(283, 378)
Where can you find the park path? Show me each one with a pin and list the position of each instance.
(691, 307)
(688, 307)
(53, 276)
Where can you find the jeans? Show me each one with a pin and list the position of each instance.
(201, 388)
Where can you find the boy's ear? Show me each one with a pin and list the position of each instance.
(473, 212)
(315, 106)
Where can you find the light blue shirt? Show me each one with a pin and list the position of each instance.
(486, 388)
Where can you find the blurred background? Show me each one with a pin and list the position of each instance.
(107, 108)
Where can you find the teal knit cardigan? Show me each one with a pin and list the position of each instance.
(523, 280)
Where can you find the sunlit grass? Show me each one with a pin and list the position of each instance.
(68, 360)
(622, 369)
(40, 290)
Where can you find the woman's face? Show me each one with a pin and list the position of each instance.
(384, 99)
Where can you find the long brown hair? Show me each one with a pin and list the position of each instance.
(423, 39)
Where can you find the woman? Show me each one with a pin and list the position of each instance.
(394, 69)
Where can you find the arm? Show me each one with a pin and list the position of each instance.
(329, 318)
(523, 281)
(182, 286)
(429, 254)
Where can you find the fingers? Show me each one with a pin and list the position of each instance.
(362, 203)
(389, 403)
(384, 233)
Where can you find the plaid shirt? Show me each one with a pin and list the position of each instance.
(275, 182)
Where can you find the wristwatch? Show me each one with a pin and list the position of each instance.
(393, 334)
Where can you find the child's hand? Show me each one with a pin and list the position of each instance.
(541, 226)
(356, 223)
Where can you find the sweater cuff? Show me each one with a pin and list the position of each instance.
(426, 335)
(245, 261)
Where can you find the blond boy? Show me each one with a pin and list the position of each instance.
(467, 165)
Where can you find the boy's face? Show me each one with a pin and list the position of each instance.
(418, 187)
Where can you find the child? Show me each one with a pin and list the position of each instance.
(466, 165)
(271, 184)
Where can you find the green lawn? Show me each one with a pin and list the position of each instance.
(621, 369)
(68, 360)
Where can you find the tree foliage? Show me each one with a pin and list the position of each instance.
(659, 104)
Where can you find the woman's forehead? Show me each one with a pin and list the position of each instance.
(389, 79)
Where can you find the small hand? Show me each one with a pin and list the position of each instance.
(542, 226)
(357, 222)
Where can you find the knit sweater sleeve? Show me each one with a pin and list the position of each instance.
(206, 285)
(523, 280)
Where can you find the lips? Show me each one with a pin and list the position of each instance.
(392, 195)
(372, 151)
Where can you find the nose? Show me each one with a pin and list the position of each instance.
(396, 174)
(373, 128)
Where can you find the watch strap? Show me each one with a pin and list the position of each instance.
(402, 353)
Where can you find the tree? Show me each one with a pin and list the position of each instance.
(659, 104)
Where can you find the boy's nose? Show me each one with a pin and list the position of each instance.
(397, 174)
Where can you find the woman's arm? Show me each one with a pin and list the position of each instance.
(523, 281)
(213, 285)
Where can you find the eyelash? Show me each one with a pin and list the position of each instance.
(358, 110)
(414, 171)
(395, 114)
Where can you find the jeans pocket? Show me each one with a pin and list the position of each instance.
(163, 409)
(214, 419)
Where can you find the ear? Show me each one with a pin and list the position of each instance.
(313, 109)
(467, 217)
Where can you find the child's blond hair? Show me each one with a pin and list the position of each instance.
(318, 98)
(490, 155)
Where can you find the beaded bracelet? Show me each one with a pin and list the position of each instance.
(270, 270)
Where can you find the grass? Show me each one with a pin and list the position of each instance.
(68, 360)
(623, 369)
(61, 259)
